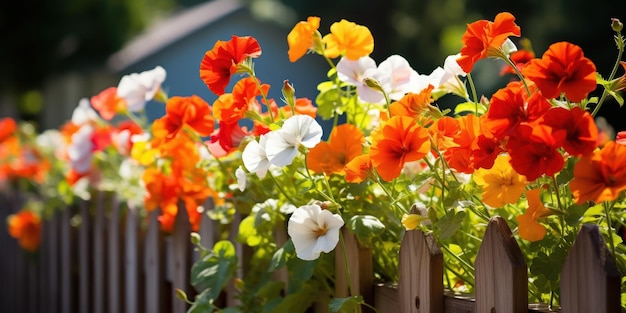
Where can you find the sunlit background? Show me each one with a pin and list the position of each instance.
(55, 52)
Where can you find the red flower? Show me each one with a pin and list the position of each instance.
(108, 104)
(219, 63)
(25, 226)
(534, 151)
(582, 133)
(563, 69)
(520, 58)
(511, 106)
(485, 38)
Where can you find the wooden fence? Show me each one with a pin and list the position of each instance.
(104, 257)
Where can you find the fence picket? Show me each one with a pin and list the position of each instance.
(360, 266)
(180, 258)
(421, 270)
(131, 261)
(84, 268)
(590, 281)
(501, 277)
(154, 298)
(113, 253)
(98, 256)
(66, 244)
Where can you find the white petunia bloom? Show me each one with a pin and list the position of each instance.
(354, 72)
(241, 178)
(282, 145)
(137, 89)
(254, 157)
(402, 77)
(313, 231)
(80, 150)
(84, 113)
(446, 79)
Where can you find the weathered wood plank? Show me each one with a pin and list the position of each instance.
(181, 258)
(66, 243)
(154, 266)
(84, 260)
(360, 269)
(590, 281)
(99, 282)
(421, 274)
(115, 287)
(53, 263)
(501, 272)
(131, 261)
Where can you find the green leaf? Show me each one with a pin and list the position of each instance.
(211, 273)
(365, 227)
(449, 224)
(280, 256)
(470, 107)
(248, 233)
(345, 304)
(327, 103)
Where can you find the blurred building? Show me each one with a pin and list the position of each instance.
(178, 44)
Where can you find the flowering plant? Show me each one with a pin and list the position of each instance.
(531, 153)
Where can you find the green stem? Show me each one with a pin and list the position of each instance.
(620, 51)
(280, 188)
(519, 74)
(607, 211)
(473, 88)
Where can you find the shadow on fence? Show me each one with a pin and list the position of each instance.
(101, 256)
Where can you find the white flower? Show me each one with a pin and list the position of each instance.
(508, 46)
(282, 145)
(446, 79)
(254, 157)
(241, 178)
(80, 150)
(83, 113)
(313, 231)
(352, 71)
(137, 89)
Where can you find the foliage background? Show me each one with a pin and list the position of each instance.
(46, 38)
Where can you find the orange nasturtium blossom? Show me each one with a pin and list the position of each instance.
(534, 151)
(529, 228)
(8, 126)
(600, 176)
(25, 226)
(484, 39)
(511, 106)
(500, 184)
(221, 62)
(563, 69)
(344, 144)
(184, 112)
(302, 37)
(414, 105)
(108, 104)
(520, 58)
(359, 169)
(348, 39)
(397, 141)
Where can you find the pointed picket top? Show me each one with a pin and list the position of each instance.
(590, 281)
(501, 272)
(420, 287)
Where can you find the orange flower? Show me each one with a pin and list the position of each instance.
(161, 189)
(485, 38)
(563, 69)
(344, 144)
(303, 106)
(302, 37)
(219, 63)
(108, 104)
(359, 169)
(600, 176)
(510, 106)
(397, 141)
(182, 112)
(413, 105)
(621, 138)
(528, 227)
(500, 184)
(7, 128)
(25, 226)
(230, 108)
(348, 39)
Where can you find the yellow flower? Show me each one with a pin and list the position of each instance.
(411, 221)
(529, 228)
(349, 39)
(302, 38)
(501, 184)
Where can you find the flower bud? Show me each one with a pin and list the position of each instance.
(616, 25)
(289, 94)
